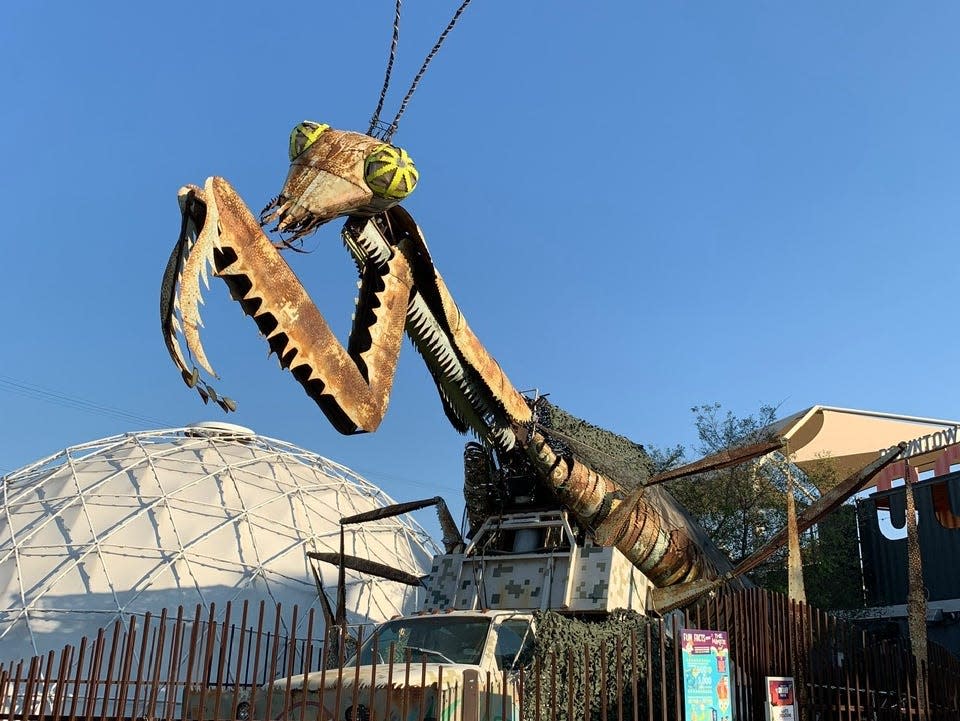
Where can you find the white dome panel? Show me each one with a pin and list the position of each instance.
(189, 516)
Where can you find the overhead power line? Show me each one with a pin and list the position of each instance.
(47, 395)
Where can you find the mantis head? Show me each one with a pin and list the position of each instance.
(337, 173)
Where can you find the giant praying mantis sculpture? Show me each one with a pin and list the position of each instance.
(336, 173)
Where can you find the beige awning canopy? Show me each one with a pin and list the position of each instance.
(850, 438)
(853, 438)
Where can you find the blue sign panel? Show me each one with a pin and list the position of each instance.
(706, 675)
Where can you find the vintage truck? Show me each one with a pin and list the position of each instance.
(456, 666)
(457, 659)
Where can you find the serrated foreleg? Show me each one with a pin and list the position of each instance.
(351, 385)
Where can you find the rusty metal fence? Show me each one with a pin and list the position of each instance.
(255, 662)
(842, 671)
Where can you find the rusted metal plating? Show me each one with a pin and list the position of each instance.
(631, 524)
(400, 290)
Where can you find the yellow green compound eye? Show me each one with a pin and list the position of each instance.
(390, 172)
(305, 135)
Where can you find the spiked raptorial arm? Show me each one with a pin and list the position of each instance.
(352, 386)
(335, 173)
(475, 392)
(180, 292)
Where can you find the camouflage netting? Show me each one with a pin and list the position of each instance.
(589, 657)
(627, 464)
(615, 456)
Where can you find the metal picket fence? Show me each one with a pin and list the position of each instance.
(243, 665)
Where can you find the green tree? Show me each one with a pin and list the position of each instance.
(740, 507)
(743, 506)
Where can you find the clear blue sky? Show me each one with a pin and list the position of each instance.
(640, 206)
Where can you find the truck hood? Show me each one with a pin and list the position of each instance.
(381, 678)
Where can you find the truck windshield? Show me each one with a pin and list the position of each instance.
(437, 639)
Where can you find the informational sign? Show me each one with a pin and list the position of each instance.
(706, 675)
(781, 699)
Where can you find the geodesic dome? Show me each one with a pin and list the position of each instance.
(199, 515)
